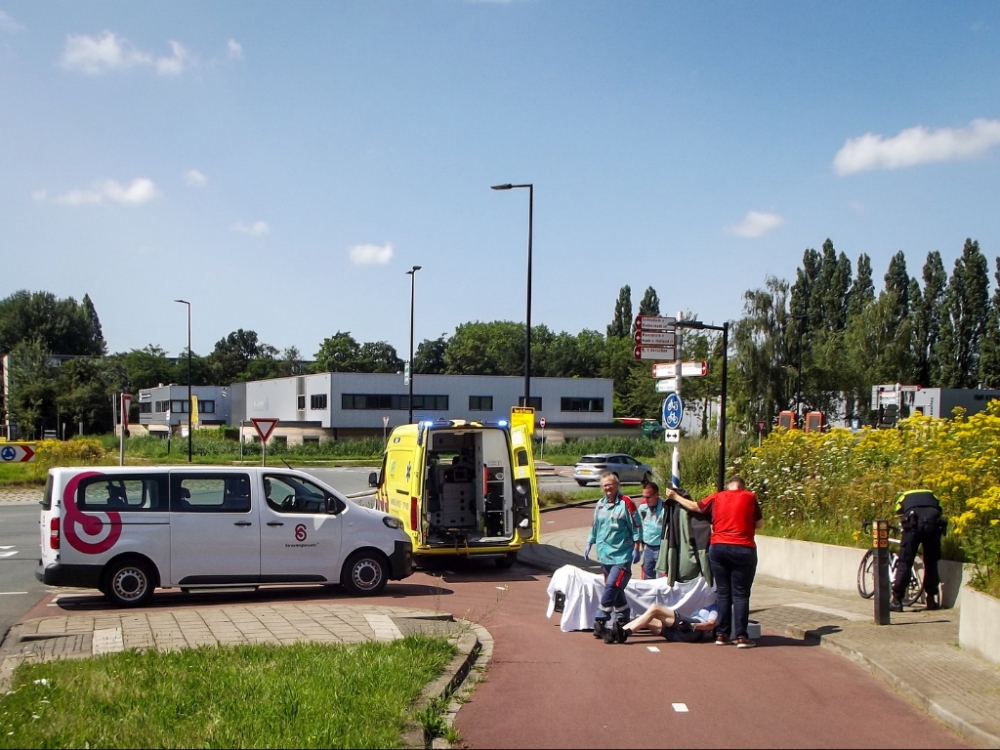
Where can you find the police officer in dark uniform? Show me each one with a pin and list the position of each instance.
(923, 524)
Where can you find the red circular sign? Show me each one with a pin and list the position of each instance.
(300, 532)
(542, 421)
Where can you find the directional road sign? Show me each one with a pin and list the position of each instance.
(673, 411)
(655, 352)
(655, 338)
(16, 453)
(688, 369)
(667, 385)
(654, 323)
(264, 427)
(672, 436)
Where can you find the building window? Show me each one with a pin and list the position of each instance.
(300, 402)
(317, 401)
(146, 408)
(582, 404)
(534, 401)
(206, 407)
(179, 407)
(161, 406)
(480, 403)
(390, 402)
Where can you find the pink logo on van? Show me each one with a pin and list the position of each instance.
(300, 532)
(91, 526)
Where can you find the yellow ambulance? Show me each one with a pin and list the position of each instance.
(461, 488)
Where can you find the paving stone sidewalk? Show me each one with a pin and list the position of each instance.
(20, 495)
(918, 654)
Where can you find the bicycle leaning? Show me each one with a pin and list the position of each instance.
(866, 571)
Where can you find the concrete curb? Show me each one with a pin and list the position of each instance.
(957, 724)
(576, 504)
(448, 685)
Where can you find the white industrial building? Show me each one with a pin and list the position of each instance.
(336, 405)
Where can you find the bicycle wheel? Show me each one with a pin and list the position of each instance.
(866, 575)
(915, 586)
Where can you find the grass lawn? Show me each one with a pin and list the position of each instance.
(303, 695)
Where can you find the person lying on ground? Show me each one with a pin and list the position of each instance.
(673, 626)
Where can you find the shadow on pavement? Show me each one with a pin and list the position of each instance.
(553, 558)
(466, 570)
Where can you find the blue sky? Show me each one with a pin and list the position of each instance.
(281, 165)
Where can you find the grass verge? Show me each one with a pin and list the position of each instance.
(302, 695)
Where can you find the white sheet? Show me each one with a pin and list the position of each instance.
(583, 596)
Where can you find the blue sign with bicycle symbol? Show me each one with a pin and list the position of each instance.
(673, 411)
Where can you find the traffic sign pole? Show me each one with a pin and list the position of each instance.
(675, 460)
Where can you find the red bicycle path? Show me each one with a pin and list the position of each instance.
(545, 688)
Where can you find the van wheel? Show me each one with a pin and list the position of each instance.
(129, 583)
(647, 478)
(581, 483)
(507, 560)
(365, 573)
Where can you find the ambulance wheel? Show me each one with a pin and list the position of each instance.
(365, 573)
(507, 560)
(129, 583)
(582, 483)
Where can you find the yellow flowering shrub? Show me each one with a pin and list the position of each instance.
(840, 478)
(83, 451)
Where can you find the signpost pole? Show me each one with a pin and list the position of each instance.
(675, 461)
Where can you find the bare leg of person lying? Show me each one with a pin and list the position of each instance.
(657, 619)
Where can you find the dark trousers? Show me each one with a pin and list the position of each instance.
(615, 579)
(649, 557)
(733, 567)
(913, 538)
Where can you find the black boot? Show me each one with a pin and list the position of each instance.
(932, 602)
(600, 627)
(895, 605)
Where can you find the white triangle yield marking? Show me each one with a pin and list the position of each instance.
(654, 649)
(680, 708)
(9, 546)
(8, 554)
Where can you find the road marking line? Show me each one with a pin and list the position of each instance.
(9, 546)
(12, 593)
(8, 554)
(680, 708)
(654, 649)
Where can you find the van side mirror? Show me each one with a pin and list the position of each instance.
(333, 505)
(373, 480)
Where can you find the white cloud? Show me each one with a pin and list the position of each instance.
(195, 178)
(9, 24)
(368, 255)
(256, 229)
(916, 145)
(40, 195)
(234, 50)
(138, 192)
(755, 224)
(108, 52)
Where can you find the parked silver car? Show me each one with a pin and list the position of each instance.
(590, 467)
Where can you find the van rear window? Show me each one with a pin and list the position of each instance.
(47, 494)
(131, 493)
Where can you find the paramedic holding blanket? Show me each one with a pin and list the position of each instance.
(617, 532)
(733, 554)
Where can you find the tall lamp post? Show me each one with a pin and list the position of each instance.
(527, 319)
(185, 302)
(720, 482)
(412, 273)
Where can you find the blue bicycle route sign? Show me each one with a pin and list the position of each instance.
(673, 411)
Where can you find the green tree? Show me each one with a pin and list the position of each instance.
(378, 356)
(31, 395)
(927, 310)
(429, 359)
(240, 356)
(862, 290)
(147, 368)
(897, 285)
(95, 323)
(495, 348)
(338, 353)
(650, 304)
(989, 355)
(84, 394)
(621, 324)
(879, 344)
(61, 325)
(966, 307)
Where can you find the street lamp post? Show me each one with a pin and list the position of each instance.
(527, 320)
(412, 273)
(720, 482)
(185, 302)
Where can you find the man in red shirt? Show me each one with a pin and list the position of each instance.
(735, 516)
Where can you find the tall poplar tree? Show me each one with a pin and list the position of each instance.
(927, 310)
(966, 307)
(989, 353)
(621, 324)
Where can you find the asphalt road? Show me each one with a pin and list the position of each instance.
(19, 534)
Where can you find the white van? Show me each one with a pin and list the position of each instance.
(127, 531)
